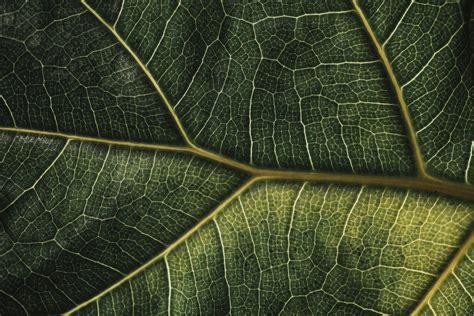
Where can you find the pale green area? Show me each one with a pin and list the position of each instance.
(306, 248)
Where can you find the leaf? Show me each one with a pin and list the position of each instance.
(283, 248)
(213, 157)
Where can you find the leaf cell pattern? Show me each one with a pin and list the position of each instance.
(93, 215)
(281, 248)
(438, 83)
(456, 294)
(153, 157)
(63, 72)
(271, 84)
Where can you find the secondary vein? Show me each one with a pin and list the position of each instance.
(170, 247)
(452, 264)
(415, 147)
(144, 68)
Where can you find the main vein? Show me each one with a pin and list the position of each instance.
(424, 181)
(415, 147)
(454, 189)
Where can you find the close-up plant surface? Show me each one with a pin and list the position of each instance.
(236, 157)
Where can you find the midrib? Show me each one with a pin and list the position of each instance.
(454, 189)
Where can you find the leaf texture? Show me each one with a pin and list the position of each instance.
(236, 157)
(276, 85)
(63, 72)
(455, 295)
(280, 248)
(93, 215)
(438, 83)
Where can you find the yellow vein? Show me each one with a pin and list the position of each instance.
(104, 141)
(170, 247)
(446, 272)
(419, 161)
(146, 71)
(427, 184)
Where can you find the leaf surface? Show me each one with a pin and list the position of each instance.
(283, 248)
(213, 157)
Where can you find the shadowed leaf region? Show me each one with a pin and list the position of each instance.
(275, 85)
(63, 72)
(92, 215)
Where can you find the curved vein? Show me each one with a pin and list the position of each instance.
(423, 182)
(415, 147)
(144, 68)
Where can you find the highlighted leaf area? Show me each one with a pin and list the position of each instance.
(308, 248)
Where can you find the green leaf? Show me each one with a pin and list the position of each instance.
(245, 157)
(284, 248)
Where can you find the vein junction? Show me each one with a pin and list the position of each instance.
(422, 181)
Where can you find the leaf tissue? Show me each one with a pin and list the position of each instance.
(236, 157)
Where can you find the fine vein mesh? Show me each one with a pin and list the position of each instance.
(292, 85)
(94, 214)
(428, 45)
(471, 28)
(306, 248)
(279, 84)
(62, 71)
